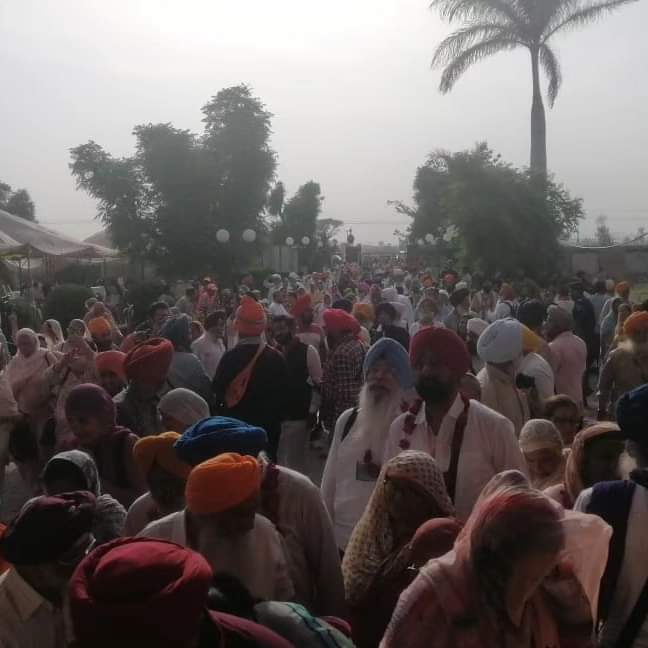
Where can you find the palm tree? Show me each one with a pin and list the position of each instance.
(491, 26)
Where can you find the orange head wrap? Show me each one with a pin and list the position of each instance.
(302, 304)
(337, 320)
(99, 326)
(531, 343)
(250, 318)
(363, 312)
(111, 361)
(159, 449)
(636, 323)
(222, 483)
(149, 361)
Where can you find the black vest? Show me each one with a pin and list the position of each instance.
(299, 391)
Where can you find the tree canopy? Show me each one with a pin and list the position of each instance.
(18, 202)
(501, 220)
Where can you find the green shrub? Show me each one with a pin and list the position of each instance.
(141, 295)
(66, 302)
(79, 273)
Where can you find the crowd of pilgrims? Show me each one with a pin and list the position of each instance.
(154, 486)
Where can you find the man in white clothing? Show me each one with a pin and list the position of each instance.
(470, 442)
(276, 307)
(209, 347)
(355, 457)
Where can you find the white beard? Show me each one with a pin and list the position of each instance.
(374, 420)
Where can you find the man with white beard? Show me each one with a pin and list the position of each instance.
(355, 458)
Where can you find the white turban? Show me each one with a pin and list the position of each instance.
(461, 285)
(389, 294)
(476, 326)
(501, 342)
(185, 406)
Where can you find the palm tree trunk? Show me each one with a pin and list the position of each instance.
(538, 122)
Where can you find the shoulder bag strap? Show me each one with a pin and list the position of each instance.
(455, 450)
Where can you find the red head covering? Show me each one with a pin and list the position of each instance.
(636, 323)
(149, 361)
(91, 401)
(337, 320)
(302, 304)
(139, 592)
(447, 347)
(111, 361)
(506, 291)
(250, 317)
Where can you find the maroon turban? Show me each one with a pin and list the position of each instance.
(47, 527)
(90, 401)
(446, 347)
(139, 592)
(149, 361)
(337, 320)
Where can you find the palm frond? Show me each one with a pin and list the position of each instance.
(452, 10)
(576, 13)
(551, 67)
(462, 39)
(472, 55)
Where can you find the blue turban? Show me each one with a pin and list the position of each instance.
(632, 414)
(216, 435)
(395, 356)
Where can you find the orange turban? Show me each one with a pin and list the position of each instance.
(111, 361)
(250, 317)
(222, 483)
(363, 312)
(149, 361)
(530, 341)
(302, 304)
(159, 449)
(99, 326)
(636, 323)
(337, 320)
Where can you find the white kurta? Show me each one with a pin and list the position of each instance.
(257, 558)
(489, 447)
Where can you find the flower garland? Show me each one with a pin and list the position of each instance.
(409, 423)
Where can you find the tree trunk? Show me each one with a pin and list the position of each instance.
(538, 122)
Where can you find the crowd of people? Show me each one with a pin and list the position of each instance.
(161, 482)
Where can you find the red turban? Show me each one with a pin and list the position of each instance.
(337, 320)
(149, 361)
(636, 323)
(222, 483)
(250, 318)
(445, 345)
(138, 592)
(302, 304)
(111, 361)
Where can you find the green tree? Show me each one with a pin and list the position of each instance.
(603, 234)
(500, 218)
(18, 202)
(492, 26)
(276, 200)
(167, 201)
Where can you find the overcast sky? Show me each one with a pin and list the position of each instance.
(356, 105)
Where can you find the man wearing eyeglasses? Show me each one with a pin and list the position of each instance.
(43, 545)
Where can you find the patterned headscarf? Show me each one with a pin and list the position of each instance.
(372, 539)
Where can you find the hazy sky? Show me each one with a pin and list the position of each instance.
(356, 106)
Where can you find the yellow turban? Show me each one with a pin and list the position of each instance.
(159, 449)
(530, 341)
(99, 326)
(222, 483)
(363, 312)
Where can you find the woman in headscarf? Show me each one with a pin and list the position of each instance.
(25, 373)
(409, 492)
(75, 470)
(542, 447)
(594, 458)
(91, 416)
(181, 408)
(492, 589)
(53, 333)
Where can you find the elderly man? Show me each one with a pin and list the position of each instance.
(251, 382)
(289, 500)
(146, 368)
(44, 543)
(500, 347)
(166, 606)
(355, 458)
(626, 367)
(165, 477)
(342, 377)
(568, 354)
(469, 441)
(220, 521)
